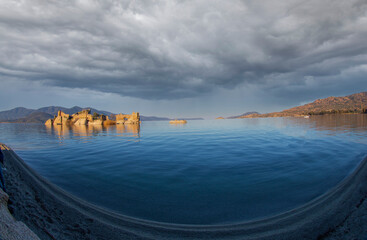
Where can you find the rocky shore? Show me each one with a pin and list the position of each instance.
(10, 228)
(52, 213)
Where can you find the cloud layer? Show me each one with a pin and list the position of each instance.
(182, 48)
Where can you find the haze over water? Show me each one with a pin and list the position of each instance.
(204, 172)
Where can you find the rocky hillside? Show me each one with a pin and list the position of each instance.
(355, 103)
(242, 115)
(15, 113)
(238, 116)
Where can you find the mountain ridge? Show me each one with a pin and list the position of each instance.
(34, 117)
(21, 112)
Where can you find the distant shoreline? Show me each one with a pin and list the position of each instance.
(55, 214)
(265, 115)
(280, 114)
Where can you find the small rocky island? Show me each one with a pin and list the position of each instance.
(85, 117)
(176, 121)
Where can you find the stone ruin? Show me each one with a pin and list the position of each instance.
(134, 118)
(85, 117)
(60, 119)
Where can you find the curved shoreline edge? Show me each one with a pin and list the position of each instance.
(53, 213)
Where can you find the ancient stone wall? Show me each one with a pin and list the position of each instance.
(85, 118)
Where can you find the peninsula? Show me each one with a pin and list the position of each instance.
(355, 103)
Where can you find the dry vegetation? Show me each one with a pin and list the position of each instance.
(356, 103)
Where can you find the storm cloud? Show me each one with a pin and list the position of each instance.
(181, 49)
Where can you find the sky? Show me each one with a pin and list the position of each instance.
(181, 58)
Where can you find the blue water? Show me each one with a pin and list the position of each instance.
(204, 172)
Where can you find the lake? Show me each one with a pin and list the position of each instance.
(203, 172)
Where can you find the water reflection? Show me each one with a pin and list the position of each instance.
(333, 123)
(62, 131)
(330, 123)
(59, 130)
(337, 123)
(131, 129)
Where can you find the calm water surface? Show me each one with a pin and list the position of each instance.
(204, 172)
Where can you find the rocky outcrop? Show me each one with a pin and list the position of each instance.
(81, 122)
(121, 121)
(176, 121)
(85, 117)
(49, 122)
(61, 119)
(96, 122)
(134, 118)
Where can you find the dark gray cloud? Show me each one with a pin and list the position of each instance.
(183, 48)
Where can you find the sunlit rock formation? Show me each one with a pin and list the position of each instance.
(134, 118)
(49, 122)
(84, 118)
(176, 121)
(61, 119)
(79, 122)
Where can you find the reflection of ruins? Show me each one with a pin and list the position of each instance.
(128, 129)
(125, 130)
(58, 130)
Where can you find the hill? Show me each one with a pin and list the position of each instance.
(355, 103)
(21, 112)
(153, 118)
(15, 113)
(54, 109)
(34, 117)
